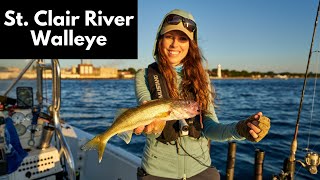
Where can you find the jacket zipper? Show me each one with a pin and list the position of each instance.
(184, 177)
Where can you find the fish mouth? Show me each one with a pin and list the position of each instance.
(193, 112)
(192, 108)
(195, 107)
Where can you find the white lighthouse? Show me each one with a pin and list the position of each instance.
(219, 71)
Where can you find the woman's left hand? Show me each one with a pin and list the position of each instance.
(253, 125)
(255, 128)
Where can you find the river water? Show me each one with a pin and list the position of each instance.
(91, 105)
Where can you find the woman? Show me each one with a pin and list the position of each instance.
(178, 73)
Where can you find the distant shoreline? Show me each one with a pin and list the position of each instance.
(228, 78)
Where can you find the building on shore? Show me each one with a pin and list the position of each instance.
(87, 70)
(126, 75)
(84, 70)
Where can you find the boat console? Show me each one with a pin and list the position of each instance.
(32, 145)
(34, 131)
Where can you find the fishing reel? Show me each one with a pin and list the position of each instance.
(312, 161)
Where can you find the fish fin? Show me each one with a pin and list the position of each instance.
(158, 126)
(97, 144)
(126, 136)
(119, 112)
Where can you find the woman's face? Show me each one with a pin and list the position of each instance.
(175, 45)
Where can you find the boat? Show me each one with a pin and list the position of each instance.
(52, 147)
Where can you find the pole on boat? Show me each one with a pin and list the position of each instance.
(40, 83)
(258, 164)
(289, 163)
(231, 159)
(19, 76)
(56, 102)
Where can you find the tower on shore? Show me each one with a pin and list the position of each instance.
(219, 71)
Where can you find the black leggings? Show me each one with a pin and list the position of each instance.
(208, 174)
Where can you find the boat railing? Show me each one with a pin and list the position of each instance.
(56, 100)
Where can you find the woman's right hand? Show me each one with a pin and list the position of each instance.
(147, 129)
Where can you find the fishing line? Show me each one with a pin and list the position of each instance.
(312, 107)
(254, 146)
(200, 162)
(46, 84)
(313, 98)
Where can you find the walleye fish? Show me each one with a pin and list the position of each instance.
(161, 110)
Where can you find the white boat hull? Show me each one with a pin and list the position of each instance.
(116, 163)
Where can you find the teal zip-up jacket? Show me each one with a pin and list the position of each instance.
(167, 161)
(162, 160)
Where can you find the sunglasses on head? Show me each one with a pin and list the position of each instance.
(174, 19)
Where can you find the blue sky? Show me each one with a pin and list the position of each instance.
(252, 35)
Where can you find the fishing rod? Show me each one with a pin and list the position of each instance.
(312, 159)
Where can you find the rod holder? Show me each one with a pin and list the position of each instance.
(258, 164)
(46, 137)
(231, 159)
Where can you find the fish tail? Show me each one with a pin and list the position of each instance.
(97, 143)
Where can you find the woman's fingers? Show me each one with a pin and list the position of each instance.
(139, 130)
(253, 126)
(148, 129)
(253, 134)
(258, 115)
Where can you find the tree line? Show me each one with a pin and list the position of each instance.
(231, 73)
(243, 73)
